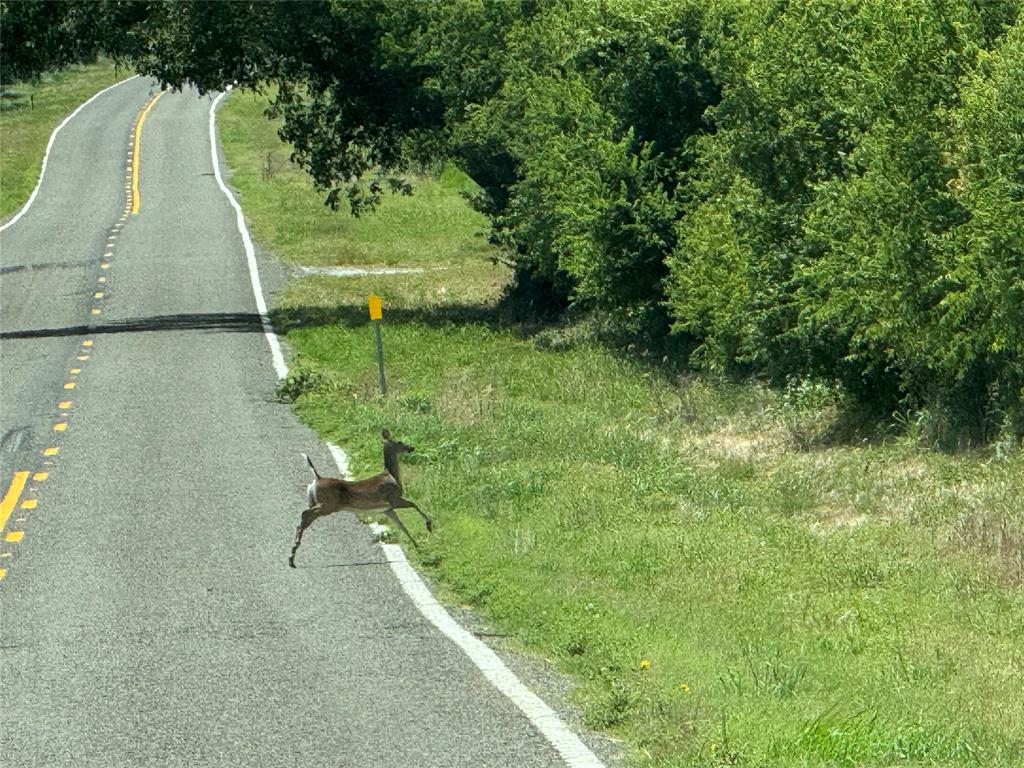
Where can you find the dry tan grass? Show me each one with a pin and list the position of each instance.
(995, 536)
(833, 519)
(465, 397)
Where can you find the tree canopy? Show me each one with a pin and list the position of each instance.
(829, 189)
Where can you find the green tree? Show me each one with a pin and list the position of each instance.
(824, 200)
(980, 334)
(38, 36)
(592, 118)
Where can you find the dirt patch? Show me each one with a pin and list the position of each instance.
(725, 444)
(998, 537)
(464, 399)
(835, 519)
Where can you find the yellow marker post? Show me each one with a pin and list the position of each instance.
(376, 314)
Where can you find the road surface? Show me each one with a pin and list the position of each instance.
(151, 486)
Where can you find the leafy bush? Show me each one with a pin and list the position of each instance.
(824, 189)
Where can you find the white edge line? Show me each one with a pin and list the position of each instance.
(573, 751)
(49, 146)
(341, 459)
(250, 253)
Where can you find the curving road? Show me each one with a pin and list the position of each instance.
(150, 488)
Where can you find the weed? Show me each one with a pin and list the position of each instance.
(299, 382)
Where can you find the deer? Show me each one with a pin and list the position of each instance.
(380, 493)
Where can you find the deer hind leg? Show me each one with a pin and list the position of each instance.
(401, 503)
(393, 516)
(308, 516)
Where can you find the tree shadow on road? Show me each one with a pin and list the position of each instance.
(232, 322)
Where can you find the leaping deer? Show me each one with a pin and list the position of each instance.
(380, 493)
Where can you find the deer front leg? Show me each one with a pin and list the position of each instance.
(402, 503)
(393, 516)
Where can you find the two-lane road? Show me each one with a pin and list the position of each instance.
(151, 485)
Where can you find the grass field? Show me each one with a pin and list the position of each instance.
(26, 123)
(724, 588)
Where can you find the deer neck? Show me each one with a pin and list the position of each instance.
(391, 465)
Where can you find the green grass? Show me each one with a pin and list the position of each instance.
(27, 122)
(723, 588)
(431, 228)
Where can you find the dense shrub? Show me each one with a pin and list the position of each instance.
(829, 202)
(827, 188)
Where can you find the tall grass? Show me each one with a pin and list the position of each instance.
(724, 587)
(27, 121)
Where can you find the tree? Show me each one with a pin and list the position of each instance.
(348, 109)
(38, 36)
(825, 202)
(979, 337)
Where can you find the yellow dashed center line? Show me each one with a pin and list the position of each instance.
(10, 498)
(135, 151)
(18, 483)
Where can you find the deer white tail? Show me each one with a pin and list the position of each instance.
(310, 462)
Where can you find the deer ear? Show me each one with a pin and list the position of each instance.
(385, 434)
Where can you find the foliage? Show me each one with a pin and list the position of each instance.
(825, 189)
(980, 344)
(825, 208)
(37, 36)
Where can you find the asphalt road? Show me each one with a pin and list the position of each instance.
(147, 614)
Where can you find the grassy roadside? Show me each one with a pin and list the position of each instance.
(26, 125)
(722, 594)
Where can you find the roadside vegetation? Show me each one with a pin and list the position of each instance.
(29, 111)
(729, 576)
(821, 190)
(715, 365)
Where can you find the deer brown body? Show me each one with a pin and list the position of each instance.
(380, 493)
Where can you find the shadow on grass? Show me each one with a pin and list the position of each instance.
(438, 316)
(667, 357)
